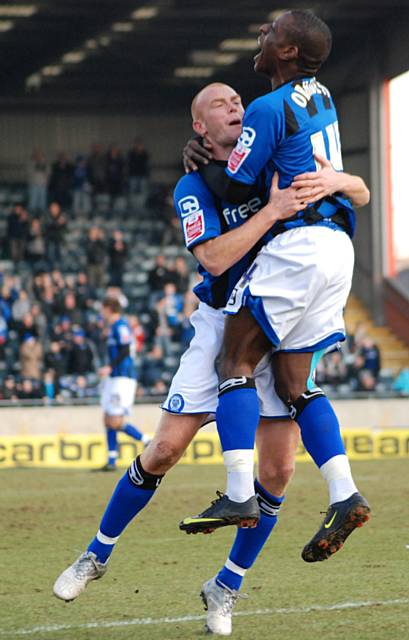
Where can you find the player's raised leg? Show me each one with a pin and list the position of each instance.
(237, 418)
(277, 442)
(321, 436)
(132, 493)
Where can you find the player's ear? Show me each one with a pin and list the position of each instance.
(289, 52)
(199, 128)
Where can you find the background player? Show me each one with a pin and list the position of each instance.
(119, 381)
(294, 293)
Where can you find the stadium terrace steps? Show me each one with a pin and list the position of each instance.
(394, 352)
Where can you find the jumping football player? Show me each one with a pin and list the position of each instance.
(292, 297)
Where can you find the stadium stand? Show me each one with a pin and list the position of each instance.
(60, 263)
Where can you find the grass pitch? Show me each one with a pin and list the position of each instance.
(48, 517)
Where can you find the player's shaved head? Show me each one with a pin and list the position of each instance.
(310, 35)
(202, 97)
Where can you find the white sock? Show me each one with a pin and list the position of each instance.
(240, 480)
(337, 474)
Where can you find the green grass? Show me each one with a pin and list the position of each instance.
(48, 517)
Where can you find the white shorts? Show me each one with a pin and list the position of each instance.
(117, 395)
(297, 288)
(194, 387)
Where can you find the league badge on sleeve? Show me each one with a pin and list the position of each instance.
(193, 227)
(241, 150)
(188, 205)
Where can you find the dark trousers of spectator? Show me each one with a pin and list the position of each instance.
(116, 275)
(96, 275)
(17, 249)
(53, 252)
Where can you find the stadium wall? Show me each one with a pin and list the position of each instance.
(73, 437)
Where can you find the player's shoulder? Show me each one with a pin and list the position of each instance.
(191, 194)
(190, 183)
(269, 104)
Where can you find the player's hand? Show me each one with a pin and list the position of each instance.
(283, 203)
(197, 151)
(104, 371)
(315, 185)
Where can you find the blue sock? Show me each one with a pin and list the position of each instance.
(249, 542)
(132, 431)
(132, 494)
(238, 414)
(112, 437)
(320, 430)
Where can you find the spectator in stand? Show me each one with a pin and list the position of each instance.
(182, 275)
(38, 175)
(70, 309)
(115, 168)
(56, 360)
(157, 278)
(366, 381)
(334, 370)
(39, 320)
(21, 307)
(17, 233)
(62, 331)
(31, 357)
(368, 357)
(51, 389)
(83, 292)
(4, 332)
(96, 257)
(173, 234)
(80, 357)
(48, 302)
(61, 181)
(97, 168)
(27, 328)
(8, 295)
(36, 250)
(30, 389)
(170, 308)
(138, 170)
(401, 382)
(54, 233)
(82, 187)
(152, 364)
(118, 253)
(137, 332)
(8, 389)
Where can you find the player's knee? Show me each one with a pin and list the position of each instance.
(289, 390)
(113, 422)
(235, 362)
(161, 455)
(275, 477)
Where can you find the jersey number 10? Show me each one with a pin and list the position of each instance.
(328, 139)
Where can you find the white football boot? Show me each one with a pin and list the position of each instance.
(219, 603)
(73, 580)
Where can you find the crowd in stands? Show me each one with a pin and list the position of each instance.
(52, 336)
(75, 182)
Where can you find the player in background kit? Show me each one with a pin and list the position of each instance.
(119, 381)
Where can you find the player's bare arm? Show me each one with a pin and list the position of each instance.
(315, 185)
(219, 254)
